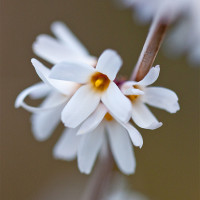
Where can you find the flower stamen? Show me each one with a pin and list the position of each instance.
(108, 117)
(100, 82)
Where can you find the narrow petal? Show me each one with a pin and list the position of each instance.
(62, 32)
(28, 91)
(44, 123)
(67, 145)
(121, 148)
(93, 120)
(162, 98)
(88, 149)
(109, 63)
(65, 87)
(128, 89)
(134, 134)
(80, 106)
(117, 103)
(76, 72)
(55, 51)
(56, 101)
(42, 91)
(143, 117)
(51, 49)
(151, 77)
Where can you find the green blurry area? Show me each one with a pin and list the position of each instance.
(168, 163)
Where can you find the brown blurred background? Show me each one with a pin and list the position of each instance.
(168, 163)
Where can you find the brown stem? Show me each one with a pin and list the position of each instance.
(100, 178)
(151, 47)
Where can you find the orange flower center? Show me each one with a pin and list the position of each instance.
(108, 117)
(99, 81)
(133, 98)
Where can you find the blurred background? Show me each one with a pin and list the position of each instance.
(168, 163)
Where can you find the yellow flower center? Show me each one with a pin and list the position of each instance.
(133, 98)
(108, 117)
(100, 82)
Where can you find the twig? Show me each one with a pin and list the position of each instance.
(151, 47)
(100, 178)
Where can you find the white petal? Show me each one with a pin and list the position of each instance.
(44, 123)
(55, 51)
(151, 77)
(109, 63)
(67, 145)
(57, 100)
(121, 148)
(77, 72)
(65, 87)
(28, 91)
(62, 32)
(128, 89)
(51, 49)
(88, 149)
(117, 103)
(134, 134)
(80, 106)
(143, 117)
(42, 91)
(93, 120)
(162, 98)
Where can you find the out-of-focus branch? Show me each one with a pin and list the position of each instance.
(100, 179)
(151, 47)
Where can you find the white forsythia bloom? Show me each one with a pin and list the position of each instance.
(65, 48)
(90, 137)
(140, 94)
(47, 116)
(185, 37)
(97, 85)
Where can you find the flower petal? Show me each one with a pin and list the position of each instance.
(77, 72)
(67, 145)
(162, 98)
(109, 63)
(42, 91)
(121, 147)
(80, 106)
(88, 149)
(51, 49)
(143, 117)
(93, 120)
(56, 102)
(128, 89)
(65, 87)
(151, 77)
(62, 32)
(134, 134)
(55, 51)
(117, 103)
(44, 123)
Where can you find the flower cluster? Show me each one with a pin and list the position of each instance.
(95, 107)
(185, 37)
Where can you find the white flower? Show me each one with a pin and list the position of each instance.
(90, 137)
(97, 85)
(159, 97)
(65, 48)
(47, 116)
(185, 37)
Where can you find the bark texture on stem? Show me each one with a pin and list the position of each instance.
(100, 178)
(151, 47)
